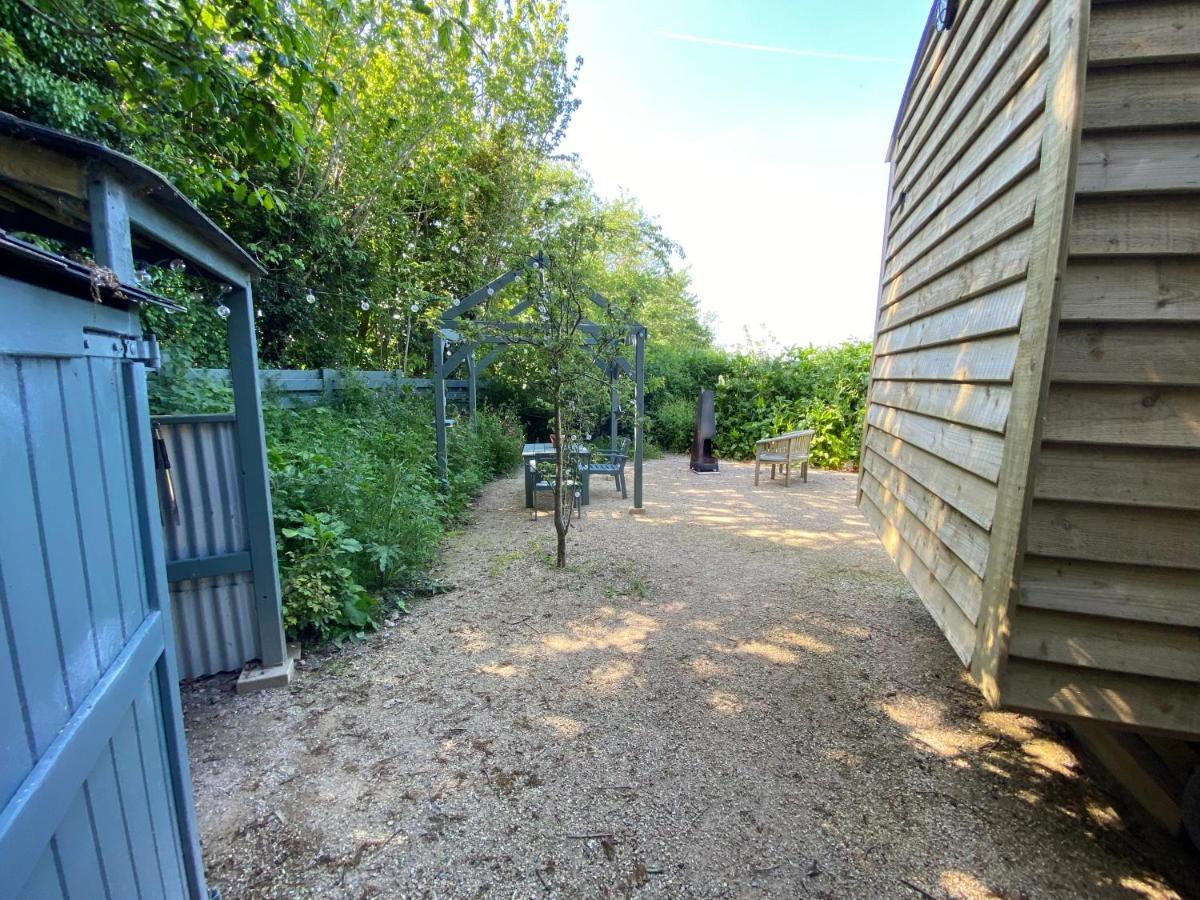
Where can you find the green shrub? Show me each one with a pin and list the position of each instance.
(368, 464)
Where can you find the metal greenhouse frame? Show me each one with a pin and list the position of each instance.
(443, 365)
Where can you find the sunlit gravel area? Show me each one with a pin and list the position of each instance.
(734, 695)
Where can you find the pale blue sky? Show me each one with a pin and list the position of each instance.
(765, 162)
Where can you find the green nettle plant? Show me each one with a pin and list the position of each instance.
(318, 581)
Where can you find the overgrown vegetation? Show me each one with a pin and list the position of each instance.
(359, 509)
(757, 395)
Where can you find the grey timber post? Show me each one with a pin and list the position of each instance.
(472, 388)
(111, 240)
(256, 485)
(639, 388)
(439, 400)
(613, 401)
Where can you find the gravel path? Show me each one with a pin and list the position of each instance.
(735, 695)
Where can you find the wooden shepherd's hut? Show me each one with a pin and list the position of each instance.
(1031, 458)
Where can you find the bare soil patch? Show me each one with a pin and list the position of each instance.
(733, 696)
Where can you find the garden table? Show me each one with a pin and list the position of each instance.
(535, 452)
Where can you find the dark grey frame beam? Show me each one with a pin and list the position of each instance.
(442, 366)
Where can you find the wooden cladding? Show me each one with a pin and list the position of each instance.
(1031, 456)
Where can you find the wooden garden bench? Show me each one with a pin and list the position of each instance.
(783, 451)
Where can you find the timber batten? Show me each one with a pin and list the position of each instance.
(1032, 441)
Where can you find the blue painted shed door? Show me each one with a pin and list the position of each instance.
(95, 797)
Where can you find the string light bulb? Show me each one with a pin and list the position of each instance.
(177, 265)
(223, 311)
(365, 305)
(416, 307)
(309, 297)
(142, 275)
(223, 290)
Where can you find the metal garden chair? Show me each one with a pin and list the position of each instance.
(612, 462)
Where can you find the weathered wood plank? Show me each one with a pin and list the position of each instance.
(1055, 181)
(979, 452)
(1140, 226)
(1121, 475)
(1121, 163)
(1132, 290)
(1145, 594)
(1136, 536)
(971, 495)
(1002, 264)
(928, 227)
(963, 585)
(987, 359)
(941, 606)
(1006, 214)
(977, 405)
(1120, 353)
(1127, 757)
(960, 52)
(993, 313)
(998, 117)
(1116, 645)
(1009, 50)
(1171, 707)
(963, 537)
(1132, 97)
(1156, 31)
(1118, 414)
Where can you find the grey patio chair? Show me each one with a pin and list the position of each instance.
(612, 462)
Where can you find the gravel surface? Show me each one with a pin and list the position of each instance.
(734, 695)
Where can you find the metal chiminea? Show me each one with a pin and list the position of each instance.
(702, 437)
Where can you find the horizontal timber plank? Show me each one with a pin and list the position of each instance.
(1139, 163)
(977, 405)
(1006, 214)
(1124, 353)
(959, 57)
(1002, 264)
(1158, 704)
(1138, 536)
(1000, 115)
(925, 229)
(962, 584)
(1156, 31)
(979, 452)
(1127, 476)
(1131, 290)
(1152, 96)
(1115, 645)
(971, 495)
(941, 606)
(1002, 54)
(963, 537)
(1139, 226)
(985, 360)
(1123, 414)
(993, 313)
(1140, 593)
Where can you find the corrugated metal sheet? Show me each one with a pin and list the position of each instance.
(215, 620)
(215, 627)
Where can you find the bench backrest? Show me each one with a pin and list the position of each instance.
(794, 443)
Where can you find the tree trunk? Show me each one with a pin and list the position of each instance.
(560, 466)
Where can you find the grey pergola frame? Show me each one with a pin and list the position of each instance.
(443, 367)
